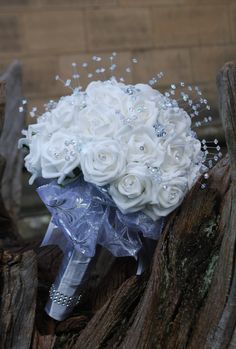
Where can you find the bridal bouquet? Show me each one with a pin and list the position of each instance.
(116, 158)
(129, 139)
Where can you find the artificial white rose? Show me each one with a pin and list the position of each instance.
(33, 159)
(108, 93)
(194, 173)
(103, 161)
(60, 155)
(67, 111)
(98, 121)
(175, 121)
(40, 129)
(133, 190)
(168, 196)
(179, 154)
(142, 145)
(137, 110)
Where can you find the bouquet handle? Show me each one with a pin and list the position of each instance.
(66, 290)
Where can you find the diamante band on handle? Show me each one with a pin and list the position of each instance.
(62, 299)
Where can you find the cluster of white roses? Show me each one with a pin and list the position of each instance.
(130, 138)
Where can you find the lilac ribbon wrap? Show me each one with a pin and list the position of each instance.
(87, 216)
(84, 215)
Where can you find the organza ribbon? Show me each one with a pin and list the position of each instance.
(88, 216)
(84, 215)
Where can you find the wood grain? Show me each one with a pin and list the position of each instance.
(8, 229)
(18, 299)
(11, 132)
(2, 104)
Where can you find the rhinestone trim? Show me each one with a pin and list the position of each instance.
(62, 299)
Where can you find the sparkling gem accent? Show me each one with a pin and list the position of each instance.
(67, 83)
(63, 299)
(160, 130)
(155, 173)
(113, 67)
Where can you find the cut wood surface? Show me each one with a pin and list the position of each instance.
(186, 300)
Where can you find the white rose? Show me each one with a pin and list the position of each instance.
(194, 173)
(66, 112)
(175, 121)
(98, 121)
(197, 167)
(133, 190)
(108, 93)
(60, 155)
(33, 159)
(168, 196)
(102, 162)
(143, 145)
(138, 110)
(40, 129)
(179, 154)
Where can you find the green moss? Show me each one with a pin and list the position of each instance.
(208, 275)
(210, 228)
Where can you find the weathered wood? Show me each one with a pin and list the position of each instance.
(13, 124)
(224, 335)
(2, 103)
(18, 299)
(8, 230)
(226, 81)
(183, 266)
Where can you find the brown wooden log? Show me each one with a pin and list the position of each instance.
(225, 335)
(18, 299)
(166, 311)
(2, 103)
(13, 124)
(8, 230)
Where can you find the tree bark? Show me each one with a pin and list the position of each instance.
(8, 230)
(2, 104)
(18, 299)
(11, 132)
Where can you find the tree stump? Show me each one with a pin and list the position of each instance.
(12, 125)
(186, 300)
(8, 230)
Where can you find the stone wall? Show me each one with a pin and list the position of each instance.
(187, 39)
